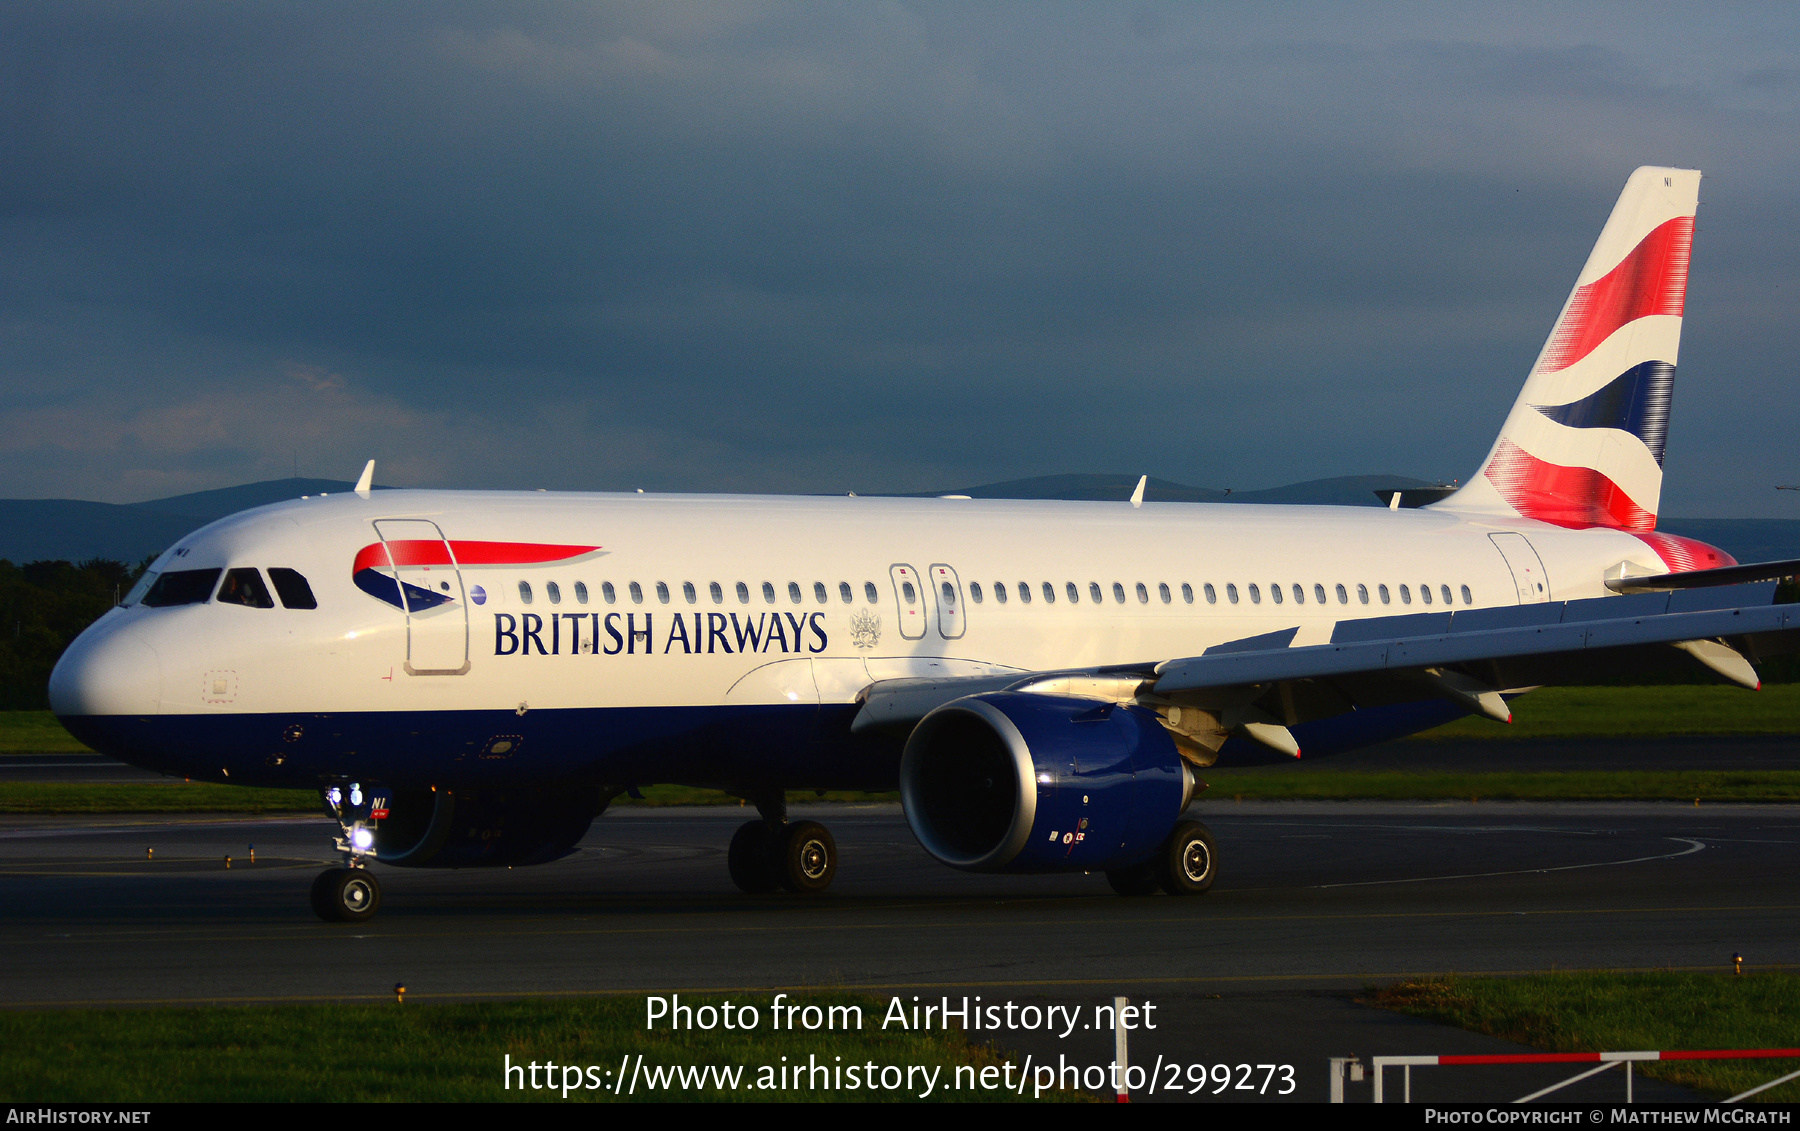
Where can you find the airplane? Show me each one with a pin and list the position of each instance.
(471, 677)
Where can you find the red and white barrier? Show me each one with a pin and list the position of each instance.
(1604, 1060)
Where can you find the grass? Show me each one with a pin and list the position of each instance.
(1631, 712)
(1590, 1012)
(432, 1053)
(1300, 782)
(208, 797)
(36, 732)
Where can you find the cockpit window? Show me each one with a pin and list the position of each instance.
(295, 593)
(181, 587)
(245, 587)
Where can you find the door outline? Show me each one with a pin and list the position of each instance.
(460, 596)
(912, 614)
(952, 620)
(1529, 576)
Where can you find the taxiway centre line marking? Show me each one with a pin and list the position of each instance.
(1693, 847)
(850, 987)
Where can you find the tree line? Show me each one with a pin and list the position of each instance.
(44, 606)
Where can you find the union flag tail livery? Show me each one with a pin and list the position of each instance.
(1583, 445)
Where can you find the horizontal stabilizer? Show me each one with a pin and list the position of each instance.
(1706, 578)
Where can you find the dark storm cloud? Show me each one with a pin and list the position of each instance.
(853, 246)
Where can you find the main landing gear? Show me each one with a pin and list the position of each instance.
(350, 894)
(1185, 864)
(771, 853)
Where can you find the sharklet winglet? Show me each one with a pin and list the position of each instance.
(367, 479)
(1137, 495)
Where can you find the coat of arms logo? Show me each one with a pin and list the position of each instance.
(865, 629)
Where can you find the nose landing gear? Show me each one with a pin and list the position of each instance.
(771, 853)
(351, 894)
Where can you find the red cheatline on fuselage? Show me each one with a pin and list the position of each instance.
(431, 551)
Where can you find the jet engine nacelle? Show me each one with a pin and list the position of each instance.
(446, 828)
(1014, 782)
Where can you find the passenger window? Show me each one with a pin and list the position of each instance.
(1212, 595)
(662, 592)
(637, 593)
(1344, 597)
(1049, 593)
(1143, 594)
(1425, 594)
(1074, 593)
(1000, 592)
(975, 592)
(295, 593)
(1405, 595)
(553, 591)
(1444, 592)
(1256, 594)
(819, 593)
(1118, 593)
(870, 594)
(743, 593)
(1383, 591)
(794, 592)
(1231, 592)
(525, 593)
(716, 592)
(1024, 592)
(1162, 590)
(581, 592)
(245, 587)
(1299, 594)
(949, 595)
(1275, 592)
(608, 593)
(845, 593)
(687, 591)
(768, 593)
(1318, 593)
(1362, 593)
(1468, 597)
(1094, 593)
(906, 590)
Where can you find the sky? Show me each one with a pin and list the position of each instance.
(862, 246)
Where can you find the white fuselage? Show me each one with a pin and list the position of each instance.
(780, 629)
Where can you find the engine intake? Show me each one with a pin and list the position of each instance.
(1015, 782)
(483, 829)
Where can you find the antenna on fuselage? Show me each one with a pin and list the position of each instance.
(368, 479)
(1137, 496)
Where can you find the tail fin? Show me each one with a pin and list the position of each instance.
(1583, 445)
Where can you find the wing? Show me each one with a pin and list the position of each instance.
(1262, 685)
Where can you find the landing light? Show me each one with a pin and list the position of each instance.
(355, 794)
(362, 838)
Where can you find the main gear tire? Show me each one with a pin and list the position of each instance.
(806, 858)
(1188, 861)
(749, 859)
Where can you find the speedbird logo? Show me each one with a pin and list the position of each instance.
(379, 566)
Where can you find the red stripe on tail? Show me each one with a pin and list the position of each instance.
(1651, 280)
(1574, 497)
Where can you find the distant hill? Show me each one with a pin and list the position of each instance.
(76, 530)
(1343, 491)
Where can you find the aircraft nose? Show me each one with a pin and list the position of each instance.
(107, 673)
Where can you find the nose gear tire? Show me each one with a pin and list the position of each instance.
(346, 895)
